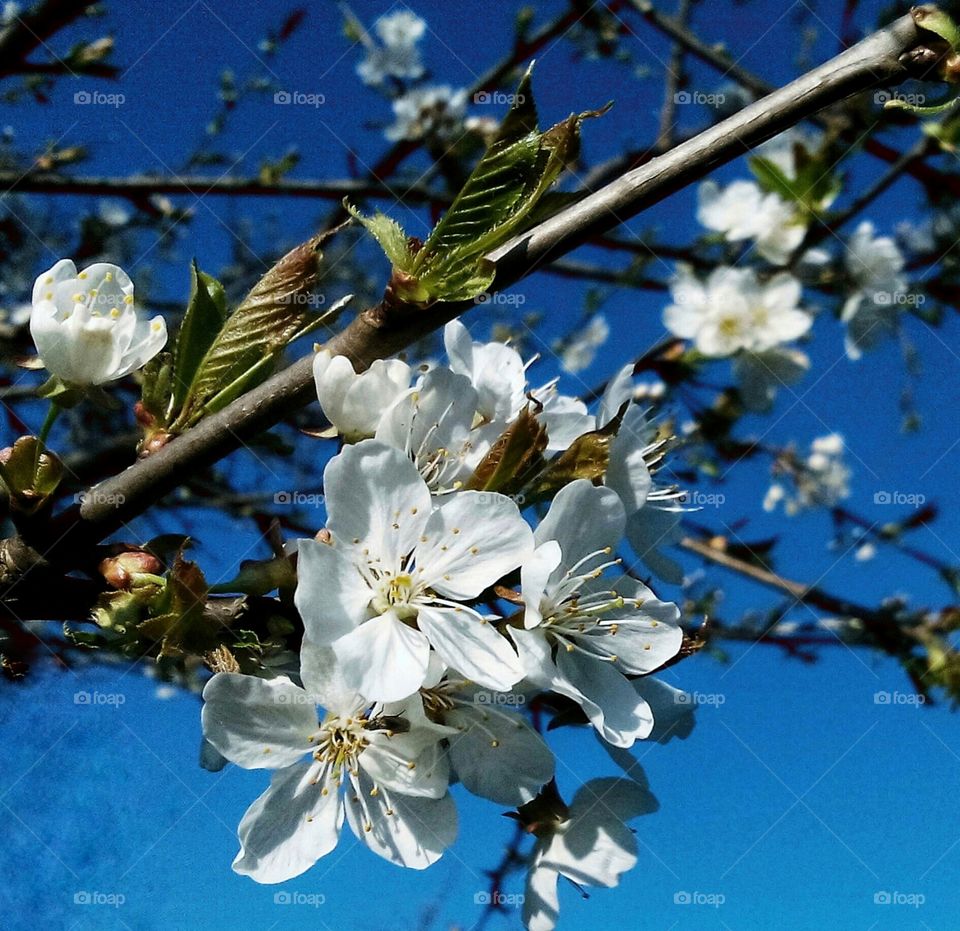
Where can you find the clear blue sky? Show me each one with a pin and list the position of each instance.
(797, 799)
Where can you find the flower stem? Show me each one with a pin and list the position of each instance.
(48, 423)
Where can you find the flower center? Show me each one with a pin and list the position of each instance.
(340, 743)
(398, 593)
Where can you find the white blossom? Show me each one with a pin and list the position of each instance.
(423, 112)
(580, 352)
(592, 847)
(583, 633)
(377, 766)
(821, 480)
(85, 327)
(743, 211)
(393, 581)
(875, 265)
(398, 56)
(354, 402)
(733, 310)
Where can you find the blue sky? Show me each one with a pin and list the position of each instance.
(798, 798)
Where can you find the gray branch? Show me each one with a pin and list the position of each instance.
(378, 332)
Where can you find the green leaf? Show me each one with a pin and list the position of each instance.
(390, 235)
(245, 351)
(202, 322)
(511, 178)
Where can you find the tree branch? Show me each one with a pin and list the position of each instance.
(381, 331)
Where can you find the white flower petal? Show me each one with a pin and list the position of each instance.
(475, 647)
(258, 723)
(411, 832)
(288, 828)
(497, 754)
(473, 539)
(383, 659)
(375, 495)
(331, 595)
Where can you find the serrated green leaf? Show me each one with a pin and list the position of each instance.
(504, 188)
(390, 235)
(202, 322)
(245, 351)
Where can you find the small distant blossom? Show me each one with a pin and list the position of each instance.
(590, 845)
(398, 57)
(781, 151)
(580, 352)
(428, 112)
(875, 265)
(733, 310)
(743, 211)
(85, 327)
(821, 480)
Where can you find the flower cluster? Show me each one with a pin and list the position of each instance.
(435, 609)
(392, 62)
(734, 313)
(822, 479)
